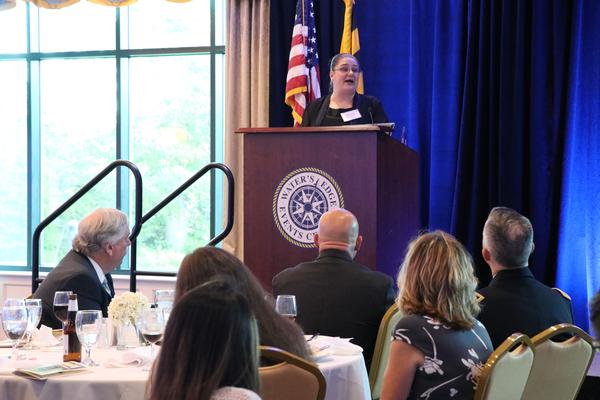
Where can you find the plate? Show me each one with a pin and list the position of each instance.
(321, 355)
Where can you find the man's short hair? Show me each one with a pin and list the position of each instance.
(102, 226)
(509, 237)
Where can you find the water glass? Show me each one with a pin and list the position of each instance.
(88, 324)
(14, 322)
(285, 304)
(34, 315)
(164, 298)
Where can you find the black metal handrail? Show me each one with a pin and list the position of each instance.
(230, 196)
(35, 253)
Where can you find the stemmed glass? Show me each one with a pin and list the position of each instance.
(151, 323)
(34, 315)
(163, 298)
(14, 321)
(285, 304)
(87, 326)
(61, 306)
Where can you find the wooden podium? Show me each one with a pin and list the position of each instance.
(292, 175)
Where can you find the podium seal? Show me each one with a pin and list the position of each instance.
(299, 201)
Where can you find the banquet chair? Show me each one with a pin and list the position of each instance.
(559, 368)
(290, 377)
(382, 349)
(505, 372)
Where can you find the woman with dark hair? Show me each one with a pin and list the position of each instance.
(210, 348)
(343, 105)
(206, 263)
(438, 346)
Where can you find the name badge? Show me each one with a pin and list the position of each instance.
(350, 115)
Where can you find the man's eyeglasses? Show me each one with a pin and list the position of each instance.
(345, 69)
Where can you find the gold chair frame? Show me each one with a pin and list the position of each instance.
(282, 357)
(561, 329)
(382, 345)
(516, 345)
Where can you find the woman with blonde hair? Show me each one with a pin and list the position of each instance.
(438, 345)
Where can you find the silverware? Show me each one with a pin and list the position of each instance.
(316, 335)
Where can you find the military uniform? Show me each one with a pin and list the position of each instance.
(515, 301)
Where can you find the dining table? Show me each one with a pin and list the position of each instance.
(123, 375)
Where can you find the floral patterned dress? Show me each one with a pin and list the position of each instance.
(453, 358)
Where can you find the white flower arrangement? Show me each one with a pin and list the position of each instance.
(127, 307)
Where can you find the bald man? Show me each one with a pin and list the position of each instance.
(337, 296)
(98, 248)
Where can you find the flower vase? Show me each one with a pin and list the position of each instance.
(128, 335)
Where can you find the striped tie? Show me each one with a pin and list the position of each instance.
(106, 287)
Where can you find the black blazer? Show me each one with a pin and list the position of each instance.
(370, 109)
(76, 273)
(515, 301)
(336, 296)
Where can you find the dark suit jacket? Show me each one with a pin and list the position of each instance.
(336, 296)
(76, 273)
(370, 109)
(515, 301)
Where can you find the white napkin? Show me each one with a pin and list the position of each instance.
(336, 346)
(43, 337)
(127, 359)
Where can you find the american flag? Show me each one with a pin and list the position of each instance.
(303, 67)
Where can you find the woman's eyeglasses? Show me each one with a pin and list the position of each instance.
(345, 69)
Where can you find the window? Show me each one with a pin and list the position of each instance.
(88, 84)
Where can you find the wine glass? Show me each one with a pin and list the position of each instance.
(163, 298)
(61, 306)
(34, 314)
(14, 321)
(151, 323)
(285, 304)
(87, 326)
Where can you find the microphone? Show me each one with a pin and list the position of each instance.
(371, 114)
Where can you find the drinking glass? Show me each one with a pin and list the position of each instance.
(151, 324)
(87, 325)
(34, 315)
(14, 321)
(285, 304)
(61, 306)
(163, 298)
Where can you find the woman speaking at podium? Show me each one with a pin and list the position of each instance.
(344, 106)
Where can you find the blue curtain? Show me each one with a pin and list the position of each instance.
(579, 231)
(501, 101)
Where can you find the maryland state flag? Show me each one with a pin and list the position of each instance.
(350, 43)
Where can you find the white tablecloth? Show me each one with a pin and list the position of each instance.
(99, 383)
(346, 378)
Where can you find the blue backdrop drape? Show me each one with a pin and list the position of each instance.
(500, 100)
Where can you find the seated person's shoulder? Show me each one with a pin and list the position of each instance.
(562, 293)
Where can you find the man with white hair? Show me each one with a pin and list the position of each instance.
(98, 248)
(515, 301)
(335, 295)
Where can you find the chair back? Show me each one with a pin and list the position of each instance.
(505, 373)
(290, 378)
(382, 349)
(559, 367)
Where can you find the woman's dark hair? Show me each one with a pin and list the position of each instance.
(210, 342)
(206, 263)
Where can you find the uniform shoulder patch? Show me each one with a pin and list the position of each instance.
(479, 297)
(563, 294)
